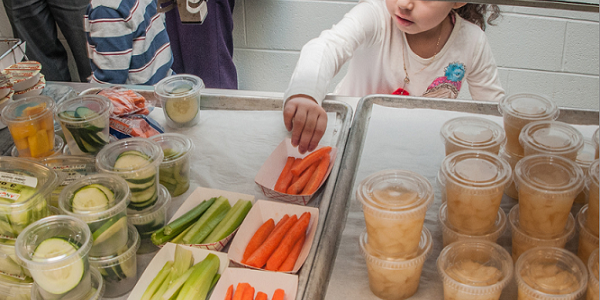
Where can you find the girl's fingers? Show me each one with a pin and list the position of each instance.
(307, 133)
(318, 132)
(298, 126)
(288, 115)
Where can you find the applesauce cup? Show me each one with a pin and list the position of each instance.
(440, 181)
(451, 235)
(547, 186)
(592, 187)
(95, 293)
(550, 273)
(472, 133)
(151, 219)
(585, 158)
(520, 109)
(593, 285)
(394, 203)
(551, 137)
(31, 125)
(588, 242)
(522, 241)
(174, 171)
(180, 99)
(395, 278)
(512, 159)
(475, 182)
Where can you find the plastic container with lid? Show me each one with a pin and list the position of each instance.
(394, 204)
(56, 151)
(15, 289)
(180, 99)
(523, 241)
(593, 285)
(596, 139)
(440, 181)
(512, 159)
(520, 109)
(100, 201)
(395, 278)
(151, 219)
(547, 186)
(451, 235)
(175, 168)
(472, 133)
(550, 273)
(592, 187)
(95, 293)
(585, 158)
(69, 168)
(551, 137)
(475, 182)
(31, 125)
(136, 160)
(588, 242)
(476, 270)
(119, 271)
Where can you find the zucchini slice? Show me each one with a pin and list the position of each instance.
(182, 110)
(131, 162)
(62, 280)
(92, 198)
(108, 229)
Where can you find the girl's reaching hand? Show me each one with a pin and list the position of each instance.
(307, 121)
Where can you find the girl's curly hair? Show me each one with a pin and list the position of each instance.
(476, 13)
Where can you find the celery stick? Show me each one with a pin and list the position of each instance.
(198, 284)
(208, 227)
(157, 281)
(184, 259)
(177, 284)
(163, 287)
(189, 217)
(220, 205)
(232, 220)
(179, 239)
(215, 280)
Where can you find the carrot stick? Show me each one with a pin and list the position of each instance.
(297, 187)
(239, 291)
(229, 293)
(281, 222)
(258, 238)
(289, 263)
(317, 177)
(261, 296)
(278, 295)
(310, 159)
(248, 293)
(285, 177)
(286, 245)
(259, 258)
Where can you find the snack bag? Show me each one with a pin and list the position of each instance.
(134, 126)
(125, 101)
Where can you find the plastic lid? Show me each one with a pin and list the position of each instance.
(133, 244)
(594, 172)
(561, 239)
(549, 174)
(472, 132)
(99, 104)
(528, 106)
(592, 267)
(476, 169)
(27, 109)
(59, 143)
(106, 157)
(511, 158)
(372, 257)
(141, 217)
(551, 137)
(496, 231)
(585, 155)
(175, 146)
(179, 86)
(395, 191)
(584, 232)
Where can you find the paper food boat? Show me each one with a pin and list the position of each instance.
(24, 74)
(266, 282)
(32, 91)
(269, 173)
(260, 213)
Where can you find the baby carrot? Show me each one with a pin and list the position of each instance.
(317, 177)
(229, 293)
(297, 187)
(286, 245)
(278, 295)
(310, 159)
(248, 293)
(239, 290)
(289, 263)
(259, 258)
(286, 176)
(261, 296)
(258, 238)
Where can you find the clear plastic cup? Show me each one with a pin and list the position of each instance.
(142, 175)
(585, 158)
(69, 169)
(180, 99)
(588, 242)
(550, 273)
(592, 187)
(31, 125)
(25, 188)
(59, 143)
(451, 235)
(596, 139)
(472, 133)
(395, 278)
(15, 289)
(520, 109)
(547, 186)
(150, 220)
(475, 182)
(55, 250)
(85, 123)
(119, 271)
(593, 292)
(95, 293)
(476, 270)
(9, 263)
(175, 168)
(108, 222)
(394, 203)
(523, 241)
(551, 137)
(512, 159)
(440, 181)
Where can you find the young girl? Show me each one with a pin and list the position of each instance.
(403, 47)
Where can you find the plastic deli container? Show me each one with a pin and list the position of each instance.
(550, 273)
(547, 186)
(523, 241)
(476, 270)
(55, 250)
(585, 158)
(588, 242)
(551, 137)
(174, 171)
(68, 169)
(31, 125)
(596, 139)
(440, 181)
(95, 293)
(15, 289)
(180, 99)
(593, 284)
(101, 202)
(119, 271)
(512, 159)
(592, 184)
(475, 182)
(519, 110)
(9, 264)
(450, 234)
(150, 220)
(395, 278)
(59, 144)
(136, 160)
(25, 188)
(394, 204)
(84, 121)
(472, 133)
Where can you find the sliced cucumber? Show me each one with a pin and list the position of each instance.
(182, 110)
(13, 192)
(68, 114)
(58, 281)
(93, 197)
(136, 188)
(108, 229)
(85, 113)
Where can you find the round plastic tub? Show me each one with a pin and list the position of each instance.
(585, 158)
(394, 204)
(27, 198)
(108, 223)
(551, 137)
(95, 293)
(72, 168)
(119, 271)
(550, 273)
(440, 181)
(475, 182)
(141, 177)
(450, 234)
(395, 278)
(180, 99)
(593, 285)
(174, 171)
(547, 186)
(150, 220)
(588, 242)
(512, 159)
(592, 187)
(51, 270)
(15, 289)
(472, 133)
(523, 241)
(56, 151)
(474, 270)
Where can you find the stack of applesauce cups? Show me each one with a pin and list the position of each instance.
(395, 243)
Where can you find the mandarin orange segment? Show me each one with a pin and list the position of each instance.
(21, 144)
(34, 110)
(22, 130)
(39, 144)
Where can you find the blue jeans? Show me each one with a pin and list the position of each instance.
(35, 21)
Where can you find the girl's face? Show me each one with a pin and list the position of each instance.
(418, 16)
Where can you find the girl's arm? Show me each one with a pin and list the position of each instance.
(483, 80)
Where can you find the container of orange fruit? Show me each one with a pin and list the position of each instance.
(31, 125)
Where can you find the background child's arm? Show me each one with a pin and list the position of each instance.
(307, 120)
(484, 81)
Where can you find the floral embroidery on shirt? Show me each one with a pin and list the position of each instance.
(449, 85)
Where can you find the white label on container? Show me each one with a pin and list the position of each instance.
(8, 195)
(19, 179)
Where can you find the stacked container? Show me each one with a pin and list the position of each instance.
(472, 133)
(585, 158)
(175, 168)
(151, 219)
(593, 285)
